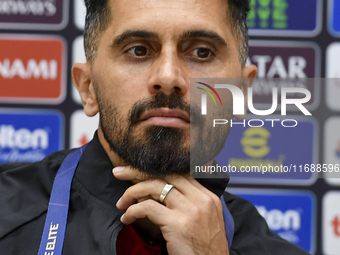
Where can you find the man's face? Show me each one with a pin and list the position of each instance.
(142, 72)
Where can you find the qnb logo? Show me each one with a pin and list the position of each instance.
(47, 70)
(23, 138)
(34, 7)
(239, 101)
(284, 224)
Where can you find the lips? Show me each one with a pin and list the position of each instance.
(166, 117)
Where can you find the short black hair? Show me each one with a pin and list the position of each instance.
(98, 18)
(237, 16)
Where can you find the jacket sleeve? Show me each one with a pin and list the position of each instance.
(252, 234)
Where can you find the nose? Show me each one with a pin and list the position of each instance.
(168, 74)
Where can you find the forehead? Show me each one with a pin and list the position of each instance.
(168, 17)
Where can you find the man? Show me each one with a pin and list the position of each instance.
(141, 55)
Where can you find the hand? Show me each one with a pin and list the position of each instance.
(190, 218)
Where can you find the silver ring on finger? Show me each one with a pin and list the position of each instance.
(165, 192)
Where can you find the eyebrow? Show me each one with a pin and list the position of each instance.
(119, 39)
(205, 34)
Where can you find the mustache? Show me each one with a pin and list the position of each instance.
(162, 100)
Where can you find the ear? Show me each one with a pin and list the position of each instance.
(249, 75)
(81, 74)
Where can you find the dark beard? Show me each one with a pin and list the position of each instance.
(157, 151)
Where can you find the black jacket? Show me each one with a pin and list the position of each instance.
(93, 221)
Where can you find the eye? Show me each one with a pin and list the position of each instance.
(202, 52)
(138, 51)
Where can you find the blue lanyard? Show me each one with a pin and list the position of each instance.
(228, 222)
(52, 239)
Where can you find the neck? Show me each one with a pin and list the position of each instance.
(148, 231)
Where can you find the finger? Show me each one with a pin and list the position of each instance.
(199, 186)
(179, 182)
(189, 187)
(150, 189)
(184, 186)
(155, 212)
(127, 173)
(192, 190)
(209, 196)
(208, 193)
(196, 192)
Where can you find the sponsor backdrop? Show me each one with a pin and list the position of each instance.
(40, 112)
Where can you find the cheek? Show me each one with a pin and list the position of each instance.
(218, 69)
(119, 87)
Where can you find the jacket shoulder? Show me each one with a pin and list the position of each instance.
(25, 190)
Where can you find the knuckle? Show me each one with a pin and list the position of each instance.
(132, 209)
(156, 182)
(131, 192)
(141, 176)
(136, 174)
(209, 202)
(149, 204)
(125, 197)
(195, 211)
